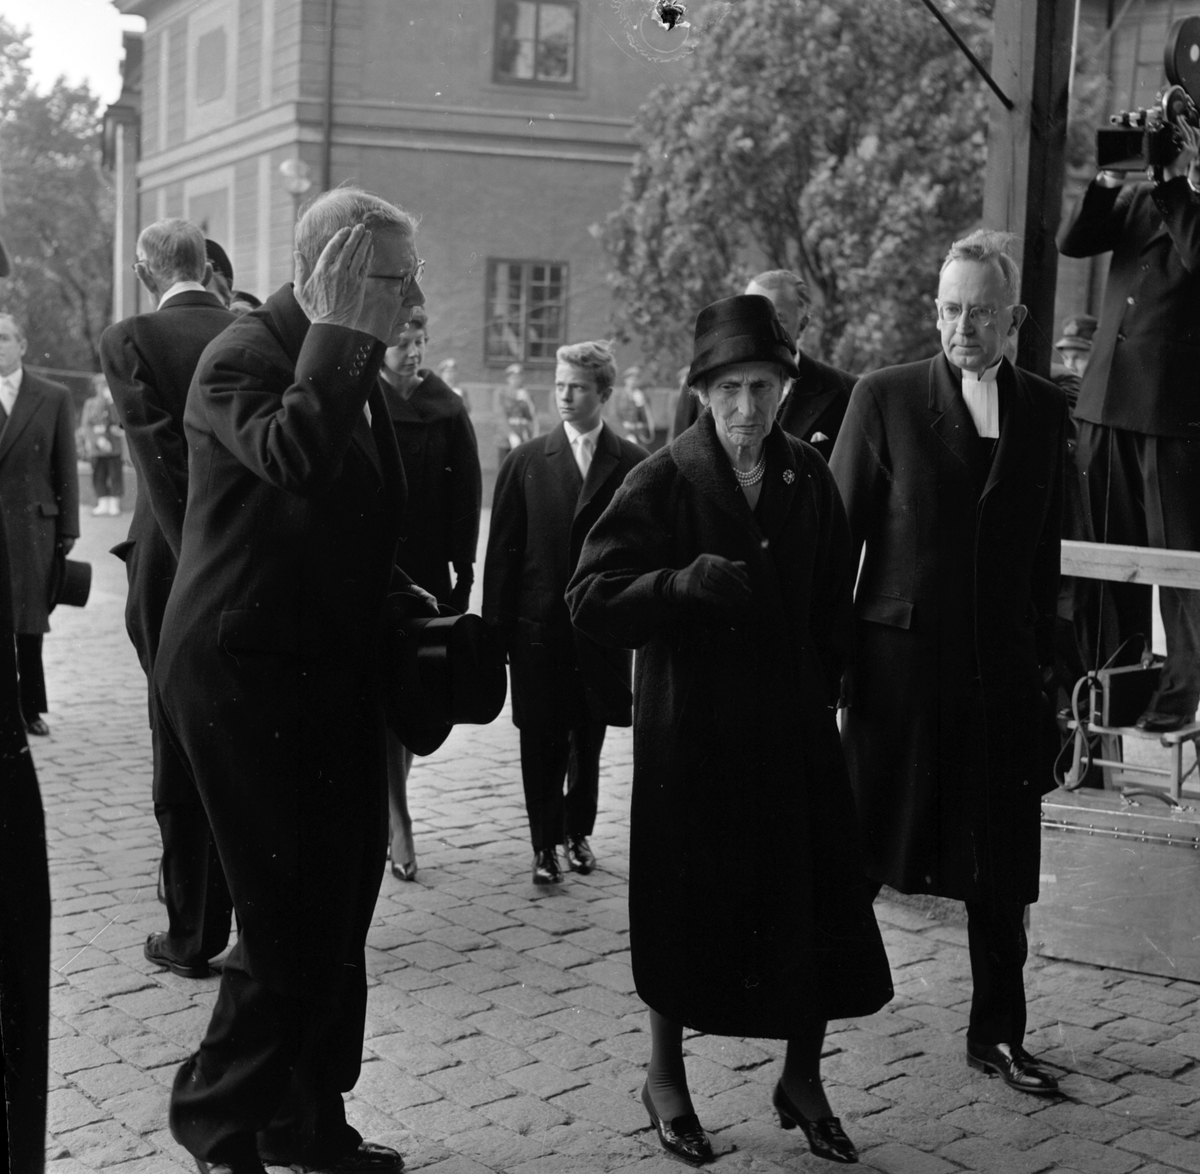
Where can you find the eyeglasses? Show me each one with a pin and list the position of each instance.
(406, 280)
(979, 315)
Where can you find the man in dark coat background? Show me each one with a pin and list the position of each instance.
(815, 404)
(1138, 411)
(272, 680)
(149, 360)
(39, 494)
(566, 689)
(951, 472)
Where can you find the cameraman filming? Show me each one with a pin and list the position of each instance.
(1138, 414)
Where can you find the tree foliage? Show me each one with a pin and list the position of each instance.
(843, 139)
(57, 213)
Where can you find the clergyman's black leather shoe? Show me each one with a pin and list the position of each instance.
(369, 1158)
(36, 725)
(155, 950)
(1014, 1065)
(546, 870)
(580, 857)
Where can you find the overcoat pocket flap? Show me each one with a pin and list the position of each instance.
(254, 630)
(885, 609)
(47, 509)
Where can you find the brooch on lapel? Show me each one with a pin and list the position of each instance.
(789, 476)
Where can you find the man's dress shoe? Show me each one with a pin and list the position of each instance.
(155, 950)
(826, 1137)
(580, 857)
(1014, 1065)
(37, 725)
(682, 1136)
(368, 1158)
(546, 870)
(244, 1166)
(1153, 722)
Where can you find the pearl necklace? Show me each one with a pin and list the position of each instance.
(745, 480)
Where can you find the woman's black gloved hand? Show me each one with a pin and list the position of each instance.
(711, 580)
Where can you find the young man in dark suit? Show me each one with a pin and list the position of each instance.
(39, 494)
(271, 674)
(1136, 417)
(951, 472)
(815, 404)
(149, 360)
(565, 689)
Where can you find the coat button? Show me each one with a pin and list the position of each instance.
(1129, 301)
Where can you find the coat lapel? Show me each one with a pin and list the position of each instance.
(562, 464)
(806, 401)
(702, 462)
(25, 407)
(952, 421)
(604, 461)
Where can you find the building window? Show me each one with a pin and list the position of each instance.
(526, 311)
(535, 42)
(210, 67)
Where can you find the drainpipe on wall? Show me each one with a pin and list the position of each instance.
(327, 137)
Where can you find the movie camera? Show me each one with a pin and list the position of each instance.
(1147, 139)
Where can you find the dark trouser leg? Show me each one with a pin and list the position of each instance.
(1171, 469)
(100, 477)
(1110, 464)
(197, 895)
(31, 685)
(198, 901)
(583, 777)
(543, 767)
(996, 939)
(267, 1062)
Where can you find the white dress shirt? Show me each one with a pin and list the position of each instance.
(983, 401)
(181, 287)
(583, 445)
(9, 386)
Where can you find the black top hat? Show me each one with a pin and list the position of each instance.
(1078, 332)
(70, 582)
(448, 670)
(742, 329)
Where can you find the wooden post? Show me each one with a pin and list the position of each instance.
(1031, 61)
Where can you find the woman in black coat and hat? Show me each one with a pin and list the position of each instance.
(725, 561)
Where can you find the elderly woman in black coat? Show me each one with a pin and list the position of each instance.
(725, 561)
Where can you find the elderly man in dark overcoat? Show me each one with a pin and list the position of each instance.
(815, 403)
(149, 360)
(271, 680)
(951, 472)
(566, 689)
(1138, 412)
(39, 494)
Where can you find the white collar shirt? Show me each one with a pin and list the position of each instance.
(9, 386)
(583, 445)
(181, 287)
(983, 401)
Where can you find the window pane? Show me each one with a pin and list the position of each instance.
(526, 316)
(516, 38)
(556, 43)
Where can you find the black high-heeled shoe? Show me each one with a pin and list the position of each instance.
(682, 1136)
(826, 1137)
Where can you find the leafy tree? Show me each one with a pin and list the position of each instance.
(843, 139)
(57, 213)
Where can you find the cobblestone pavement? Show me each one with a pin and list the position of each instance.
(503, 1031)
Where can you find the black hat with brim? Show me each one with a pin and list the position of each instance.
(70, 582)
(741, 329)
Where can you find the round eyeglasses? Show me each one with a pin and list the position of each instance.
(978, 315)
